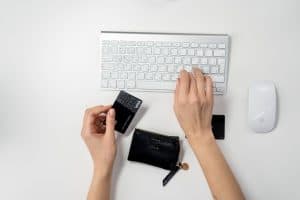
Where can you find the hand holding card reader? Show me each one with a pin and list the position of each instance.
(126, 106)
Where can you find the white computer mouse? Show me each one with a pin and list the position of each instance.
(262, 110)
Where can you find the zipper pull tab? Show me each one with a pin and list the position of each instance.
(170, 175)
(184, 166)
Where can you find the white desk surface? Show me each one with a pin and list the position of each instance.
(49, 73)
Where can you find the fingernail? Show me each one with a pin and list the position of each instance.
(111, 112)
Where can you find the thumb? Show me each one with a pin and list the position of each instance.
(110, 123)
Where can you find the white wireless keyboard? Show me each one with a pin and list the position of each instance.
(152, 61)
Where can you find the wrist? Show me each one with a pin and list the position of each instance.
(201, 138)
(102, 174)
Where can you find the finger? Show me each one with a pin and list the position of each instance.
(92, 113)
(200, 81)
(176, 91)
(209, 89)
(184, 85)
(110, 124)
(193, 86)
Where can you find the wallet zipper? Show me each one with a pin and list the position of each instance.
(171, 174)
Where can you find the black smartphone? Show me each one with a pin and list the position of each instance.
(218, 126)
(126, 106)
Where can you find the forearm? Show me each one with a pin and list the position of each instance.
(100, 186)
(217, 172)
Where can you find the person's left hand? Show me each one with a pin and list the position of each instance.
(100, 138)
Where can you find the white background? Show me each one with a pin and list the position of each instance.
(49, 73)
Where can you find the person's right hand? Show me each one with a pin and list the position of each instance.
(100, 138)
(193, 103)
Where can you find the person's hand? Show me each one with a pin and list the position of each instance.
(100, 138)
(193, 103)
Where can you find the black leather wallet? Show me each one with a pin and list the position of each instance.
(155, 149)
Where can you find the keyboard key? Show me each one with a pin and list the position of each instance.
(191, 52)
(176, 44)
(185, 44)
(214, 70)
(130, 84)
(212, 61)
(140, 50)
(157, 76)
(186, 60)
(143, 59)
(122, 42)
(203, 61)
(130, 50)
(120, 84)
(203, 45)
(218, 78)
(177, 60)
(174, 77)
(195, 60)
(150, 43)
(220, 89)
(136, 67)
(221, 61)
(221, 46)
(127, 59)
(135, 59)
(205, 70)
(188, 68)
(153, 68)
(107, 66)
(120, 67)
(104, 83)
(182, 52)
(131, 43)
(123, 75)
(152, 59)
(148, 50)
(117, 58)
(179, 68)
(127, 67)
(199, 52)
(114, 75)
(160, 60)
(149, 76)
(208, 52)
(169, 60)
(166, 77)
(222, 69)
(131, 76)
(174, 52)
(112, 83)
(158, 44)
(212, 46)
(140, 76)
(152, 85)
(140, 43)
(145, 68)
(171, 68)
(194, 45)
(107, 59)
(156, 51)
(122, 50)
(165, 51)
(105, 74)
(166, 44)
(162, 68)
(218, 52)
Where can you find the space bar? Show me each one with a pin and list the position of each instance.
(152, 85)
